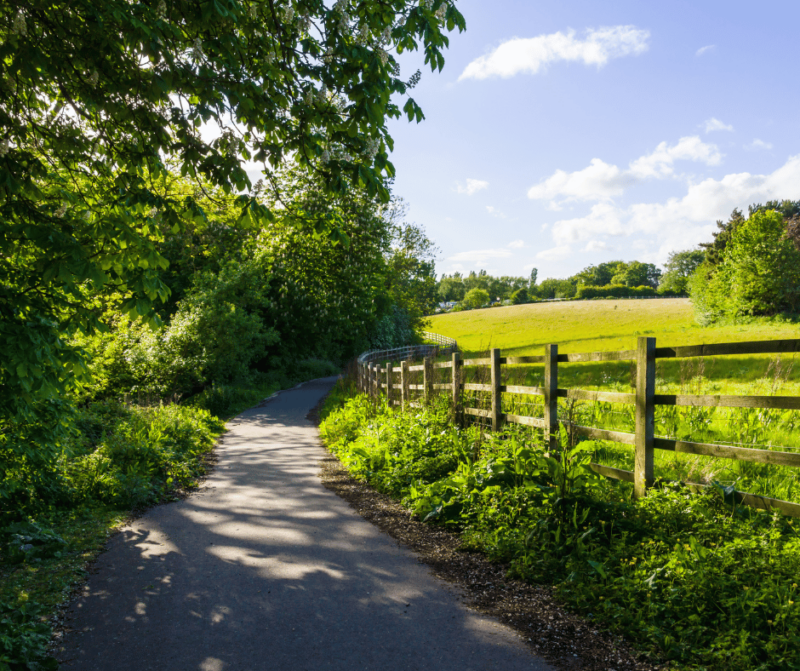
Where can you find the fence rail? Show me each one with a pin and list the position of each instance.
(375, 379)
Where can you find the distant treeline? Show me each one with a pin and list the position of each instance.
(750, 268)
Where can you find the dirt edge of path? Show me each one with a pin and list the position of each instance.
(566, 640)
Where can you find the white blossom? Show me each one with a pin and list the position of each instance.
(328, 57)
(161, 10)
(153, 212)
(197, 46)
(441, 11)
(5, 145)
(382, 55)
(326, 156)
(269, 57)
(93, 78)
(363, 34)
(427, 4)
(288, 14)
(386, 35)
(19, 27)
(309, 97)
(61, 211)
(344, 22)
(322, 95)
(304, 24)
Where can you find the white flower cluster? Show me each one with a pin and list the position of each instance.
(427, 4)
(322, 95)
(61, 211)
(371, 150)
(197, 47)
(328, 56)
(326, 157)
(161, 10)
(382, 55)
(5, 145)
(153, 212)
(93, 78)
(363, 35)
(304, 24)
(308, 98)
(441, 11)
(288, 14)
(344, 18)
(386, 35)
(269, 57)
(19, 27)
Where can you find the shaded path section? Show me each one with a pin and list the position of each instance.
(266, 569)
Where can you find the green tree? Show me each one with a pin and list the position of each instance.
(520, 296)
(599, 275)
(98, 98)
(759, 273)
(534, 274)
(679, 268)
(451, 288)
(554, 288)
(637, 274)
(476, 298)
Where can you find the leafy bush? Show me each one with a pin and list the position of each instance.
(24, 639)
(686, 577)
(614, 291)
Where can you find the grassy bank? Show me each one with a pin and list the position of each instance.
(607, 325)
(683, 576)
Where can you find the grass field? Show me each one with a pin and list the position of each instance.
(589, 326)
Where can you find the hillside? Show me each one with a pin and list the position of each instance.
(584, 326)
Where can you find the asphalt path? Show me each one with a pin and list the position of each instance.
(263, 568)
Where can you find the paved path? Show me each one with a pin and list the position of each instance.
(266, 569)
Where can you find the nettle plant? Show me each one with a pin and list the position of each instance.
(97, 99)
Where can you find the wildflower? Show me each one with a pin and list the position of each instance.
(161, 10)
(93, 78)
(61, 211)
(19, 27)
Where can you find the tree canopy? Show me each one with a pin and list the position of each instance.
(103, 103)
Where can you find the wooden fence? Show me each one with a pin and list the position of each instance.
(375, 379)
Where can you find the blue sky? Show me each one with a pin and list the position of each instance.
(562, 134)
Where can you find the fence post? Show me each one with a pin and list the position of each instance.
(404, 383)
(389, 382)
(427, 378)
(645, 415)
(456, 382)
(497, 409)
(372, 374)
(551, 396)
(378, 390)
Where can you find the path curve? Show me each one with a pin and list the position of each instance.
(264, 568)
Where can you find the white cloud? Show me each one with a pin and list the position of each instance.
(595, 246)
(713, 124)
(530, 55)
(480, 255)
(758, 144)
(705, 49)
(598, 181)
(679, 223)
(495, 212)
(517, 244)
(659, 163)
(602, 181)
(555, 253)
(472, 186)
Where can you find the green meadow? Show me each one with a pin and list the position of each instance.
(589, 326)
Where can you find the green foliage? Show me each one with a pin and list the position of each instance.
(679, 268)
(553, 288)
(759, 273)
(476, 298)
(24, 639)
(616, 291)
(520, 296)
(683, 576)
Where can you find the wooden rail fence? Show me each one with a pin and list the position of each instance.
(380, 376)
